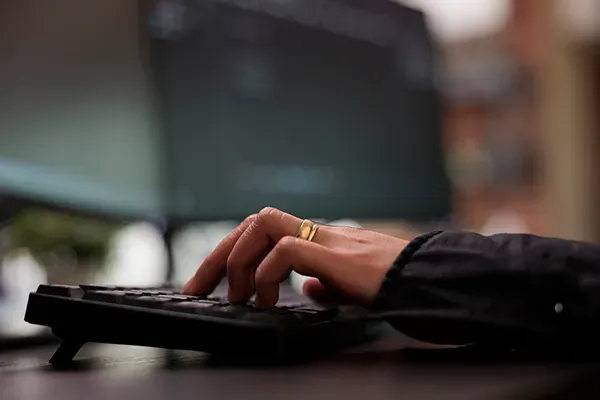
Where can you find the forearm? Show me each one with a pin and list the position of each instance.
(461, 287)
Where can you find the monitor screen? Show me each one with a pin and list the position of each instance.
(324, 109)
(213, 109)
(77, 128)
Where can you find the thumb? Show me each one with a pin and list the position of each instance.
(323, 294)
(310, 287)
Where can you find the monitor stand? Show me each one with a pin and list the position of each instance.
(168, 232)
(9, 209)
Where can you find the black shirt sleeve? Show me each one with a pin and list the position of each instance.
(508, 289)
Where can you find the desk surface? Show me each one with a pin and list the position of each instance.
(121, 372)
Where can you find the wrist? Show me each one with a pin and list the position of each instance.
(394, 273)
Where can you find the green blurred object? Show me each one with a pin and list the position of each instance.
(51, 236)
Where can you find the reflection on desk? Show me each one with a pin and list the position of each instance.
(122, 372)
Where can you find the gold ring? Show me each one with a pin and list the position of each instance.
(307, 230)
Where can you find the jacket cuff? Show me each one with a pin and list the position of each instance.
(394, 274)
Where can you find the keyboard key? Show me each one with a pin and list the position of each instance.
(106, 296)
(154, 292)
(235, 309)
(61, 290)
(305, 314)
(97, 287)
(292, 305)
(304, 311)
(190, 307)
(133, 292)
(145, 301)
(177, 297)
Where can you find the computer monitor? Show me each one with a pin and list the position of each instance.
(77, 127)
(325, 109)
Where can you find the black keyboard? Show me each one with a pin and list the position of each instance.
(165, 318)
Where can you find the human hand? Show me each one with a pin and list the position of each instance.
(263, 250)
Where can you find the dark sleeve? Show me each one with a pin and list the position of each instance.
(510, 289)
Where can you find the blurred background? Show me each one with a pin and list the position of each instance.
(134, 135)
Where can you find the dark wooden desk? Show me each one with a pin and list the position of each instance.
(120, 372)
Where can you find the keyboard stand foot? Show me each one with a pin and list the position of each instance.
(66, 352)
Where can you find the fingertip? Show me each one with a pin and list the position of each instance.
(313, 287)
(200, 286)
(264, 302)
(321, 294)
(267, 295)
(188, 288)
(235, 298)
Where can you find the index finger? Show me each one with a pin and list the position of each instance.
(211, 270)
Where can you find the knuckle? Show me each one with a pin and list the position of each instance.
(357, 257)
(249, 219)
(267, 213)
(285, 246)
(250, 225)
(246, 224)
